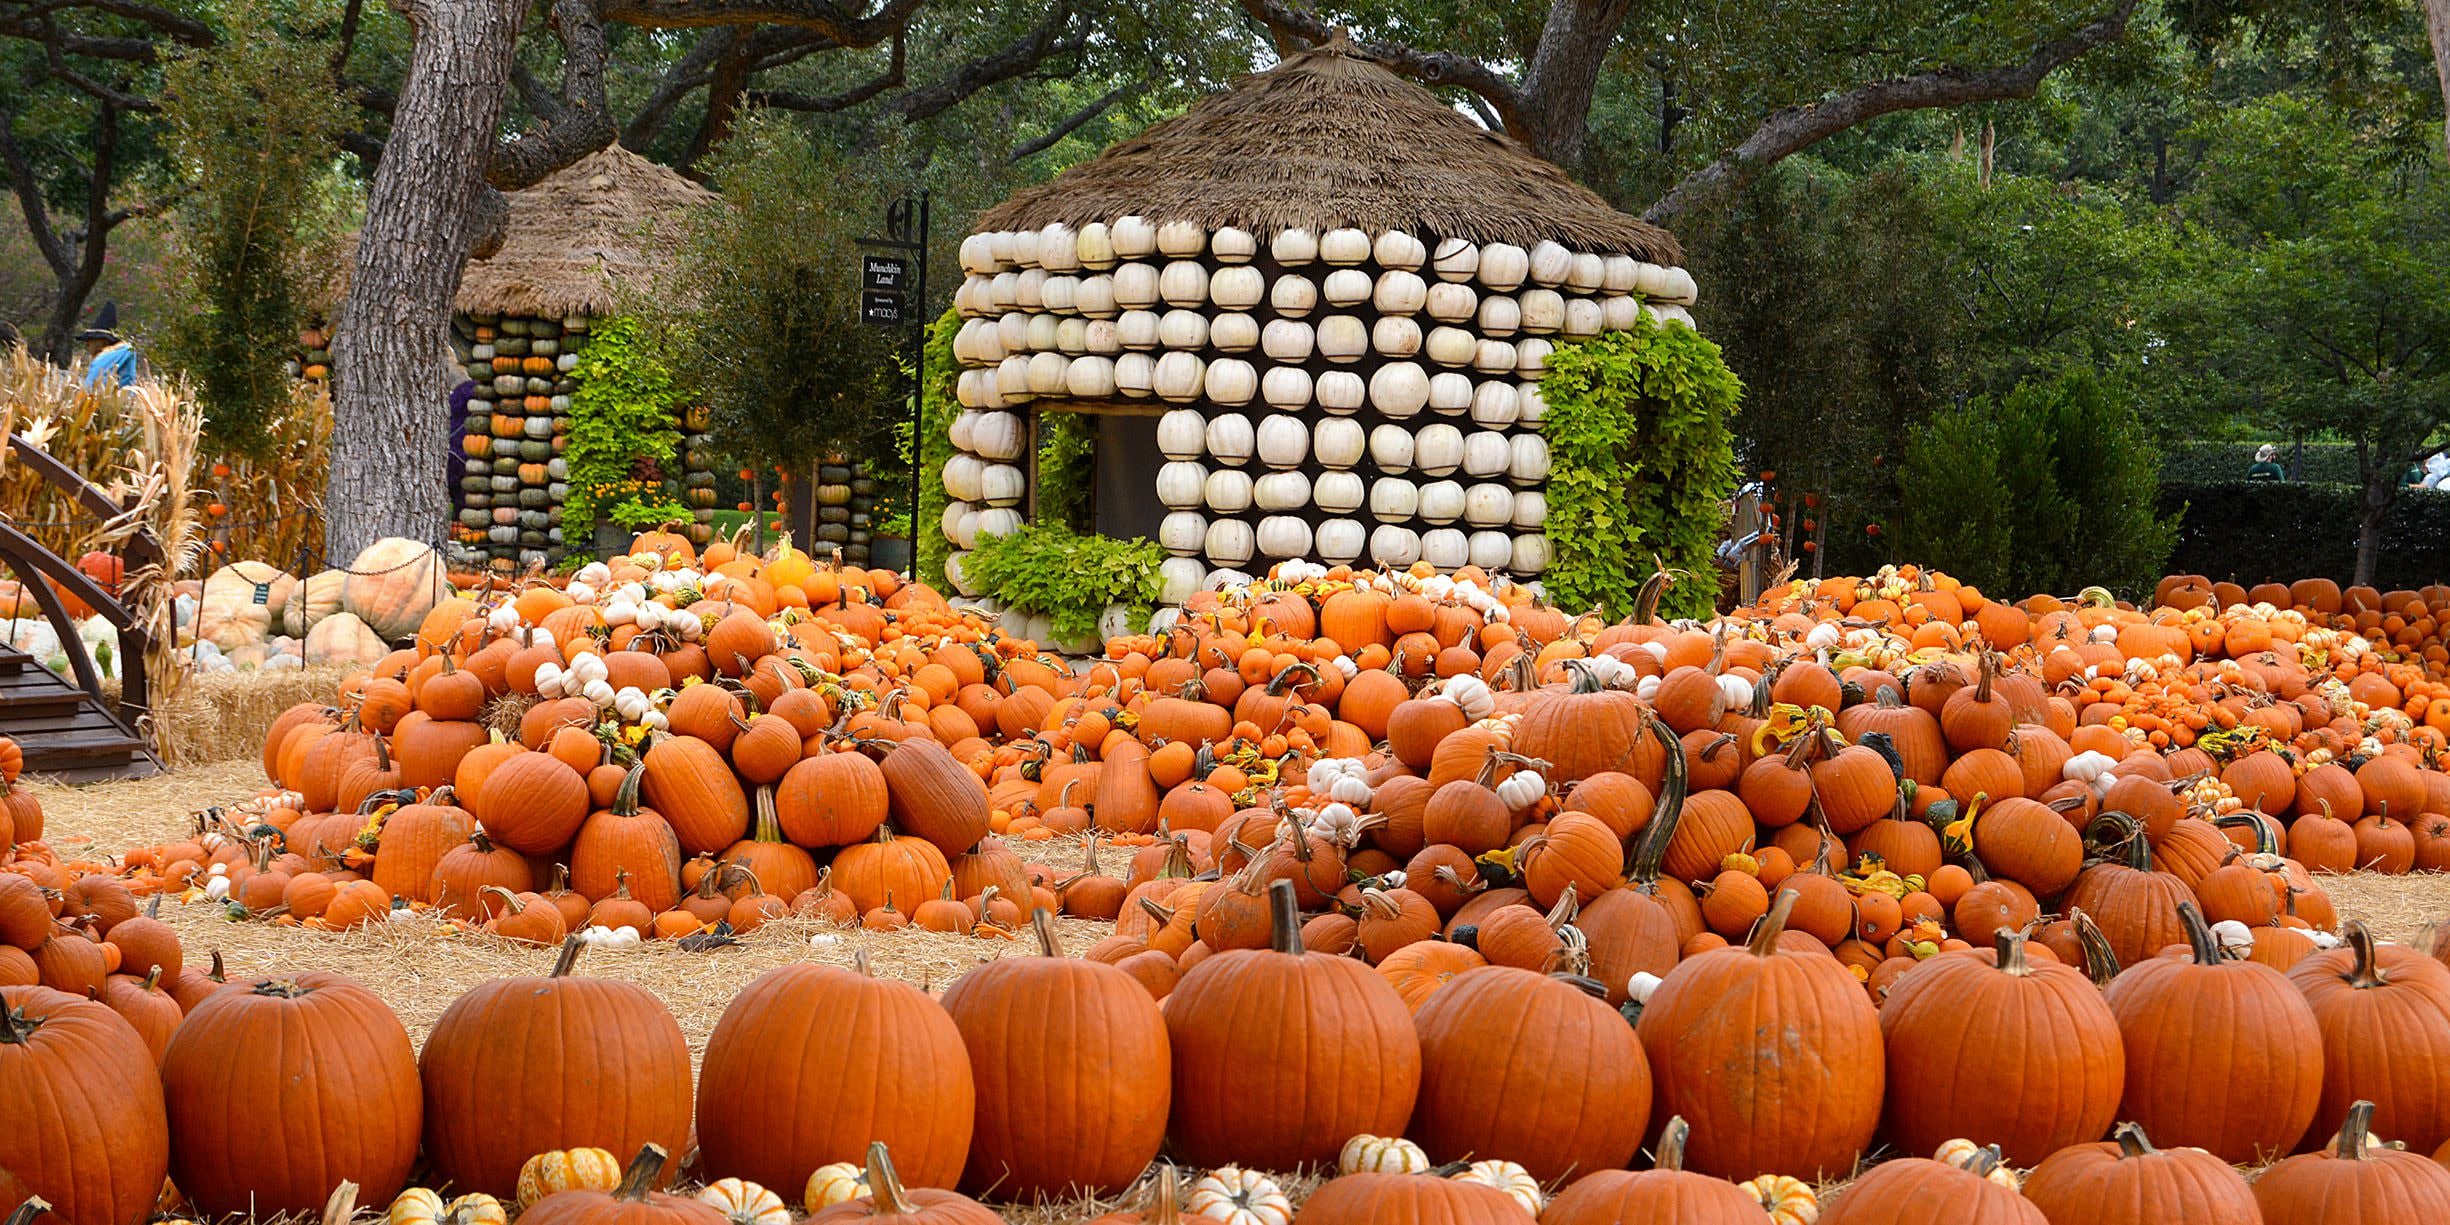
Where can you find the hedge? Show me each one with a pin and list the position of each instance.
(2218, 462)
(2259, 531)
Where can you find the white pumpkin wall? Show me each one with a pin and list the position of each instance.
(1343, 395)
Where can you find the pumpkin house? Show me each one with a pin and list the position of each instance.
(1310, 314)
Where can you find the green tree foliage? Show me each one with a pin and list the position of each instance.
(249, 139)
(2051, 487)
(1640, 462)
(623, 426)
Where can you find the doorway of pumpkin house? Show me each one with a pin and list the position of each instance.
(1123, 495)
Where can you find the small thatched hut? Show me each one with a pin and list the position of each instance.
(574, 243)
(1324, 274)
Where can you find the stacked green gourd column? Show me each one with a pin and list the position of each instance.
(511, 497)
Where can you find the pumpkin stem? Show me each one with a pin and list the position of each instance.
(2353, 1131)
(568, 960)
(16, 1028)
(1765, 933)
(1042, 925)
(2364, 972)
(884, 1186)
(34, 1206)
(1165, 1203)
(342, 1205)
(2132, 1142)
(641, 1172)
(2011, 948)
(625, 800)
(2199, 935)
(2100, 960)
(1286, 913)
(1650, 850)
(1670, 1154)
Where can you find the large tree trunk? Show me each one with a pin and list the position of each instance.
(2381, 489)
(2437, 26)
(428, 203)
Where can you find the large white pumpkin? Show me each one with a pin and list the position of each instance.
(1670, 313)
(1500, 315)
(1229, 542)
(1139, 330)
(1342, 391)
(1183, 533)
(1489, 549)
(1135, 375)
(1617, 273)
(1094, 245)
(1446, 548)
(339, 639)
(1450, 346)
(1583, 319)
(1391, 448)
(1003, 291)
(1346, 287)
(1184, 240)
(1100, 337)
(993, 435)
(1227, 491)
(1179, 578)
(1287, 340)
(1449, 392)
(1060, 293)
(1046, 373)
(1437, 449)
(1494, 404)
(961, 477)
(1399, 293)
(1002, 485)
(1531, 357)
(1180, 328)
(978, 343)
(1394, 498)
(1338, 492)
(1294, 247)
(1450, 303)
(1395, 336)
(1231, 382)
(1543, 311)
(1089, 377)
(1182, 434)
(1338, 442)
(1391, 545)
(1238, 288)
(1135, 286)
(1229, 438)
(1550, 263)
(1029, 290)
(1340, 540)
(1012, 333)
(1526, 459)
(1284, 536)
(1530, 554)
(1503, 266)
(1680, 288)
(1023, 246)
(1182, 484)
(1283, 440)
(978, 255)
(1399, 389)
(963, 432)
(1488, 505)
(976, 389)
(1095, 297)
(1281, 491)
(1485, 453)
(1180, 376)
(1343, 338)
(1233, 332)
(1494, 357)
(242, 601)
(1441, 501)
(1044, 332)
(1233, 245)
(1293, 296)
(1012, 378)
(1620, 313)
(1587, 273)
(1133, 236)
(997, 521)
(1457, 259)
(1072, 336)
(950, 521)
(1397, 249)
(1184, 283)
(1344, 247)
(1286, 388)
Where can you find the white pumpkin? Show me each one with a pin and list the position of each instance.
(1184, 283)
(1019, 247)
(1099, 336)
(1283, 440)
(1229, 542)
(1230, 438)
(1346, 287)
(1293, 297)
(1391, 448)
(1495, 404)
(1089, 378)
(1494, 357)
(1338, 442)
(1395, 336)
(1449, 392)
(1281, 491)
(1488, 504)
(1286, 388)
(1531, 357)
(1446, 548)
(1503, 266)
(1179, 578)
(1530, 554)
(951, 519)
(1140, 330)
(1180, 376)
(1530, 509)
(1284, 536)
(1485, 453)
(1397, 249)
(1095, 297)
(1002, 485)
(1437, 449)
(975, 296)
(1456, 260)
(1340, 540)
(1182, 239)
(1045, 332)
(1288, 340)
(976, 389)
(1233, 245)
(1094, 246)
(1667, 314)
(1650, 280)
(1072, 336)
(1182, 434)
(1398, 292)
(954, 563)
(1182, 485)
(1450, 303)
(1338, 492)
(1617, 273)
(1680, 288)
(1344, 247)
(1237, 288)
(1003, 291)
(1029, 290)
(1233, 332)
(1135, 375)
(1135, 286)
(1046, 373)
(993, 435)
(1587, 272)
(1342, 391)
(1061, 293)
(1620, 313)
(1183, 533)
(1012, 333)
(964, 533)
(1530, 408)
(244, 600)
(1583, 318)
(1231, 382)
(1000, 521)
(1489, 549)
(1399, 389)
(1227, 491)
(1012, 378)
(1526, 459)
(961, 433)
(1450, 346)
(961, 477)
(1441, 501)
(1499, 315)
(1294, 247)
(978, 255)
(1550, 263)
(978, 343)
(1391, 545)
(1542, 311)
(1393, 498)
(1343, 338)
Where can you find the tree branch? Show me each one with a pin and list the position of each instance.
(687, 74)
(571, 125)
(30, 198)
(1797, 128)
(823, 16)
(1013, 59)
(1071, 124)
(1288, 22)
(893, 77)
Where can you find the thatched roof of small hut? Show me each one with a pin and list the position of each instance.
(1330, 138)
(612, 216)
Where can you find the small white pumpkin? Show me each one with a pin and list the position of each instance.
(744, 1203)
(1099, 336)
(1339, 492)
(1620, 313)
(1293, 296)
(1095, 297)
(1449, 392)
(1392, 545)
(1583, 319)
(1233, 245)
(1344, 247)
(1485, 453)
(1542, 311)
(1227, 491)
(978, 343)
(1089, 377)
(1338, 541)
(1494, 404)
(1446, 548)
(1526, 459)
(1229, 542)
(1343, 338)
(1292, 248)
(1668, 313)
(1490, 549)
(1397, 249)
(1181, 434)
(1183, 533)
(1398, 292)
(1046, 373)
(1457, 259)
(1094, 246)
(1395, 336)
(1135, 375)
(960, 432)
(1450, 303)
(1180, 376)
(1283, 440)
(1530, 509)
(1394, 499)
(1450, 346)
(1531, 357)
(1338, 442)
(1230, 381)
(1135, 286)
(1586, 273)
(1134, 237)
(1550, 263)
(1182, 485)
(1346, 287)
(1437, 449)
(1500, 315)
(1139, 330)
(1288, 340)
(1503, 266)
(1488, 504)
(1233, 1196)
(1399, 389)
(1230, 438)
(1182, 239)
(1617, 273)
(1530, 554)
(976, 296)
(1281, 491)
(1391, 448)
(1184, 283)
(1494, 357)
(1237, 288)
(1442, 502)
(1286, 388)
(1233, 332)
(1342, 391)
(1381, 1155)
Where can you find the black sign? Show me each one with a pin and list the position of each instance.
(884, 273)
(881, 308)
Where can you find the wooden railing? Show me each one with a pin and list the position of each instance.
(34, 562)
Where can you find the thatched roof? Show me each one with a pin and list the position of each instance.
(611, 216)
(1330, 138)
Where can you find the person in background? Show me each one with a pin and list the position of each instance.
(108, 356)
(2267, 464)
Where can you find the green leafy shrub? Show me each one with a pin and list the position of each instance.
(1067, 577)
(1067, 454)
(1640, 462)
(2250, 532)
(624, 427)
(937, 407)
(2050, 488)
(2196, 463)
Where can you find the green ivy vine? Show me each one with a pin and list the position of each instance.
(1067, 451)
(940, 375)
(1068, 577)
(624, 428)
(1640, 461)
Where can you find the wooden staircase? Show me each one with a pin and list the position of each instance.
(65, 733)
